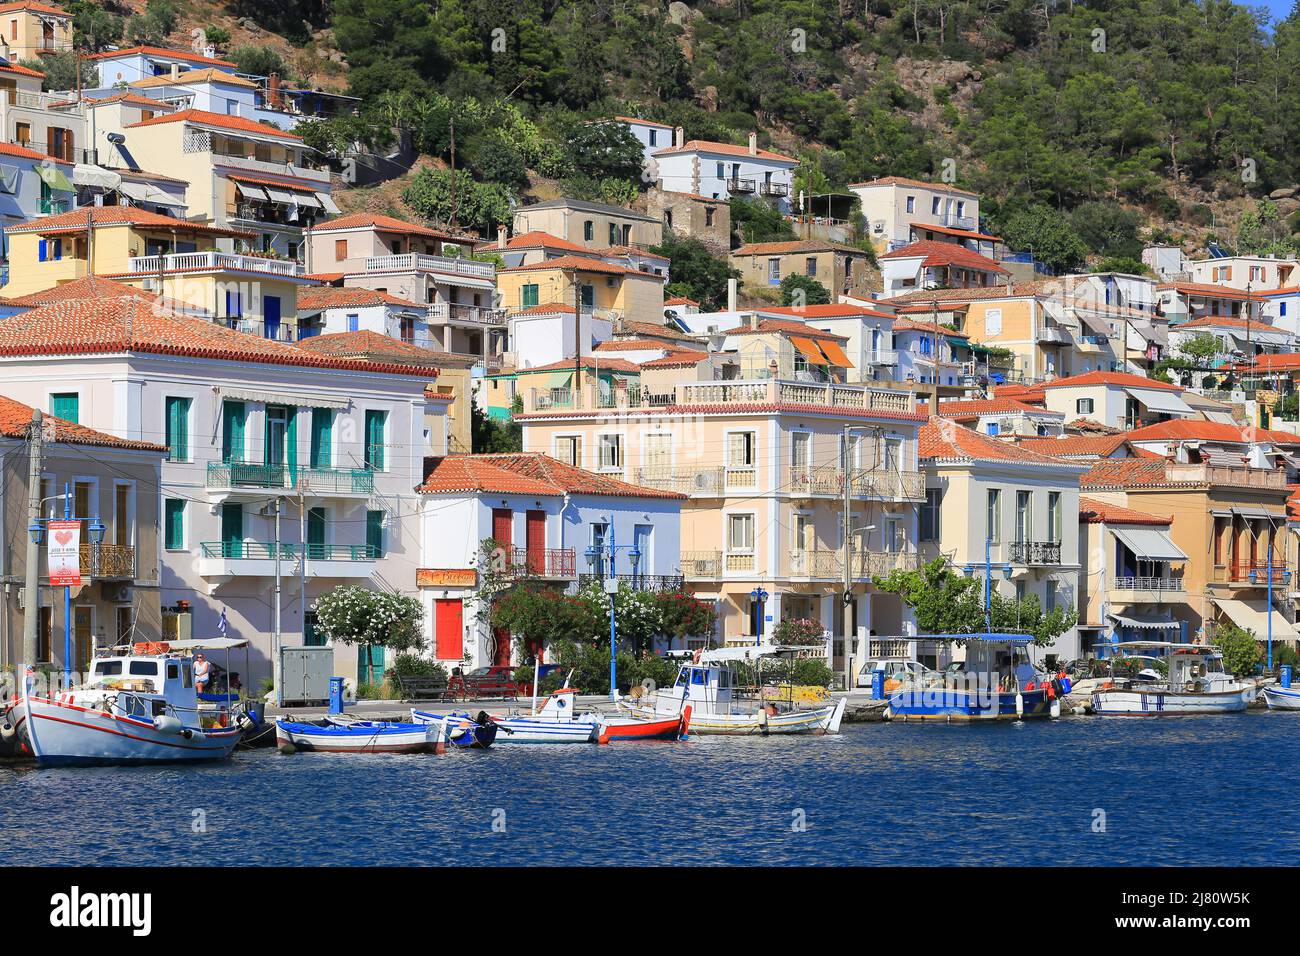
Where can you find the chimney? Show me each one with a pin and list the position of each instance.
(273, 91)
(753, 144)
(501, 235)
(679, 137)
(753, 321)
(176, 71)
(731, 295)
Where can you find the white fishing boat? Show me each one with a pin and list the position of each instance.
(134, 708)
(708, 685)
(555, 723)
(360, 736)
(1282, 698)
(1180, 679)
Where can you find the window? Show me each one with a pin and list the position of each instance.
(588, 230)
(376, 425)
(934, 206)
(810, 265)
(174, 524)
(322, 438)
(722, 170)
(708, 224)
(993, 322)
(65, 405)
(178, 429)
(800, 453)
(993, 516)
(610, 452)
(741, 450)
(375, 533)
(642, 538)
(740, 534)
(929, 530)
(568, 449)
(1049, 602)
(234, 419)
(317, 533)
(774, 271)
(911, 204)
(657, 453)
(613, 234)
(354, 322)
(528, 295)
(1024, 521)
(123, 517)
(992, 428)
(1054, 517)
(1083, 406)
(654, 137)
(49, 250)
(44, 634)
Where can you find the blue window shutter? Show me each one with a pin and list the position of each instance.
(43, 250)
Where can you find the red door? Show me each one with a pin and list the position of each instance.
(536, 541)
(503, 520)
(449, 628)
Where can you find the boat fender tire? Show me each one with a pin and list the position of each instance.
(187, 733)
(6, 731)
(1191, 687)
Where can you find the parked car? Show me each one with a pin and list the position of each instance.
(491, 681)
(895, 669)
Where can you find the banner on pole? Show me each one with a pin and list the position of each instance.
(64, 554)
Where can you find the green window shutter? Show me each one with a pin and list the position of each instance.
(529, 295)
(66, 406)
(178, 425)
(291, 440)
(322, 432)
(374, 450)
(174, 524)
(316, 522)
(375, 533)
(234, 415)
(232, 530)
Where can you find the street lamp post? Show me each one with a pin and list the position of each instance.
(37, 531)
(1284, 576)
(760, 597)
(1005, 568)
(610, 582)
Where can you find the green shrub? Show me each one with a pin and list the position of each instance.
(413, 665)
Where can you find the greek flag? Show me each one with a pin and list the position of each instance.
(221, 624)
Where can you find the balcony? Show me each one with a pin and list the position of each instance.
(455, 312)
(701, 565)
(959, 222)
(418, 262)
(774, 391)
(817, 564)
(1093, 343)
(703, 482)
(301, 168)
(1048, 335)
(1035, 553)
(777, 190)
(738, 185)
(233, 477)
(888, 357)
(555, 563)
(108, 561)
(1147, 590)
(1225, 475)
(213, 262)
(220, 560)
(1250, 574)
(882, 482)
(639, 582)
(276, 332)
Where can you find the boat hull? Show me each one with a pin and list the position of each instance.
(536, 730)
(1282, 698)
(335, 739)
(1167, 703)
(819, 720)
(955, 704)
(58, 733)
(463, 731)
(636, 728)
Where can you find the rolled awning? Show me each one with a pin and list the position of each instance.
(53, 177)
(281, 398)
(809, 349)
(1143, 623)
(328, 204)
(1226, 459)
(1254, 615)
(833, 352)
(1254, 511)
(1150, 543)
(1159, 400)
(249, 191)
(83, 174)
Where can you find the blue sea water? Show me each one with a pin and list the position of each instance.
(1193, 790)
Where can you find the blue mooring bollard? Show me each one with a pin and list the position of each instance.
(336, 695)
(1286, 675)
(878, 685)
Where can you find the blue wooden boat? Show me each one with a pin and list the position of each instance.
(464, 731)
(997, 682)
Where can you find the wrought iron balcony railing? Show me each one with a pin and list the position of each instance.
(1035, 552)
(239, 474)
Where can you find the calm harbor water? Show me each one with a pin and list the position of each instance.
(1212, 790)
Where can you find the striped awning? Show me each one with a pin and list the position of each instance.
(1143, 623)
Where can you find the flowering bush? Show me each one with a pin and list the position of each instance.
(352, 614)
(799, 631)
(684, 616)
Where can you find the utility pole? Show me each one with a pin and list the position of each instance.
(847, 596)
(32, 595)
(452, 222)
(577, 337)
(276, 670)
(934, 391)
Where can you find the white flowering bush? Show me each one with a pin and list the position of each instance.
(352, 614)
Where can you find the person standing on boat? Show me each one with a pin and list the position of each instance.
(202, 673)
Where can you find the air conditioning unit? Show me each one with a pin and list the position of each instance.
(878, 226)
(118, 593)
(150, 285)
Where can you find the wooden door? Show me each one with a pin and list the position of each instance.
(535, 540)
(503, 520)
(449, 628)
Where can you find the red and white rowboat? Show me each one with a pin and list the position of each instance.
(637, 728)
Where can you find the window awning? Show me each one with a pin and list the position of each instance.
(1143, 623)
(559, 379)
(84, 174)
(1157, 400)
(146, 193)
(833, 352)
(307, 199)
(1152, 544)
(1255, 511)
(809, 349)
(280, 398)
(250, 191)
(53, 177)
(1254, 615)
(328, 204)
(282, 195)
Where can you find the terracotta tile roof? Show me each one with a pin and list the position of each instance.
(629, 345)
(767, 326)
(1087, 426)
(643, 122)
(328, 278)
(15, 417)
(747, 408)
(538, 240)
(1279, 362)
(87, 287)
(1118, 379)
(162, 52)
(133, 324)
(22, 152)
(75, 221)
(550, 308)
(1225, 322)
(1186, 429)
(209, 75)
(337, 297)
(945, 440)
(722, 149)
(1076, 446)
(35, 7)
(969, 410)
(369, 220)
(680, 300)
(799, 245)
(629, 251)
(938, 253)
(1126, 473)
(677, 358)
(831, 311)
(960, 233)
(1003, 290)
(916, 325)
(652, 329)
(904, 181)
(135, 99)
(582, 265)
(375, 346)
(236, 124)
(1204, 289)
(1293, 504)
(7, 67)
(526, 473)
(297, 185)
(1029, 394)
(696, 196)
(1092, 511)
(566, 365)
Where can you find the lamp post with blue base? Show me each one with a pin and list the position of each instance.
(610, 583)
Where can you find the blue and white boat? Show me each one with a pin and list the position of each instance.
(1282, 698)
(464, 731)
(555, 723)
(362, 736)
(997, 682)
(1193, 682)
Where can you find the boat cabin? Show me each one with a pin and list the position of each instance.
(1190, 666)
(146, 685)
(707, 687)
(1000, 658)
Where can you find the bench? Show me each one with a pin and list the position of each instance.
(424, 688)
(479, 687)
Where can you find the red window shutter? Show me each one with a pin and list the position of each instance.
(502, 521)
(535, 529)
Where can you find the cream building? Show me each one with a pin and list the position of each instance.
(892, 205)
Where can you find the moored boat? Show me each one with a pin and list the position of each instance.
(464, 731)
(555, 723)
(1282, 698)
(649, 728)
(363, 736)
(996, 682)
(1193, 682)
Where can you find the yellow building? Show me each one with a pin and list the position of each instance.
(593, 225)
(841, 269)
(174, 258)
(29, 30)
(608, 291)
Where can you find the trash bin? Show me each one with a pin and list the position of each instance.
(878, 685)
(1286, 675)
(336, 695)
